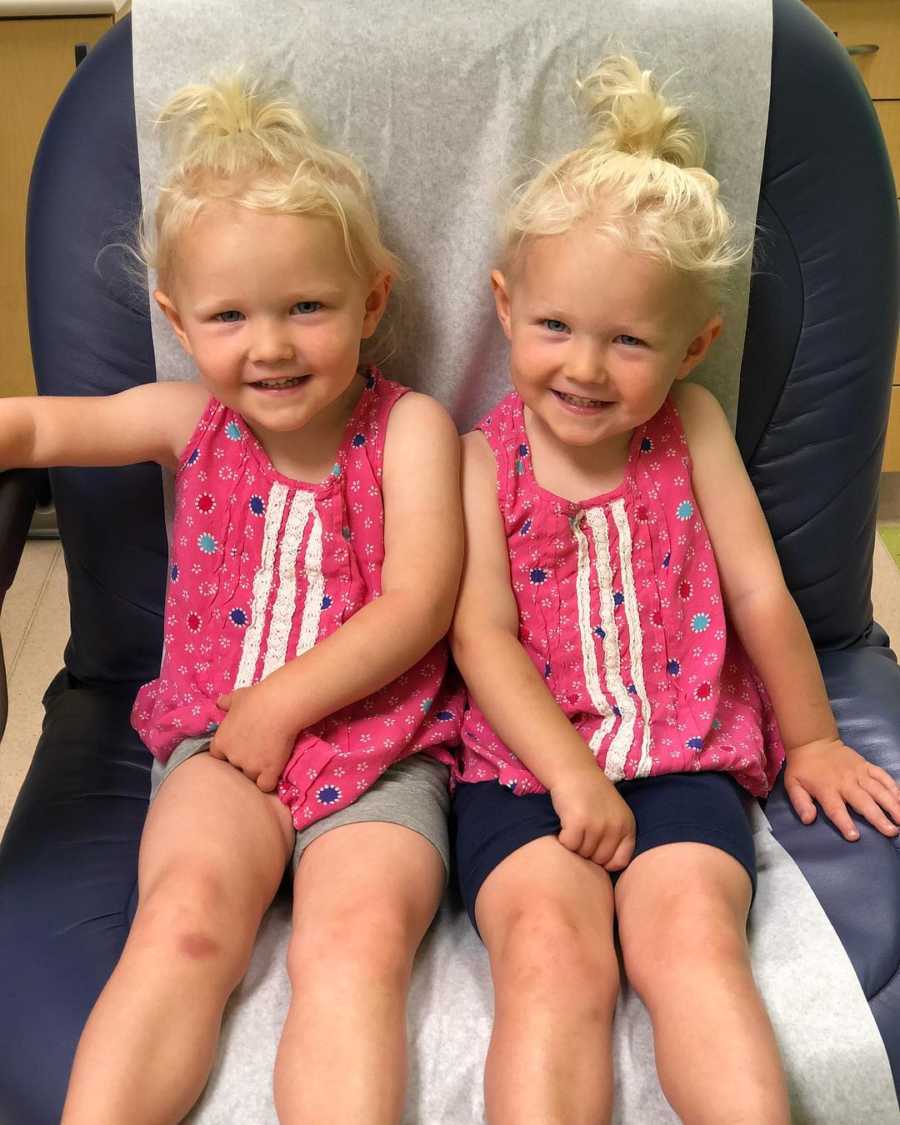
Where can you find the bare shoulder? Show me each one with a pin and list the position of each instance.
(477, 455)
(175, 407)
(705, 425)
(421, 412)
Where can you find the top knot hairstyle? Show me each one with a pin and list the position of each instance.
(639, 179)
(245, 139)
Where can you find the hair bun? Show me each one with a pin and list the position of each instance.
(231, 122)
(629, 114)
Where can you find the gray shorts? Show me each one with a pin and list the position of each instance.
(412, 792)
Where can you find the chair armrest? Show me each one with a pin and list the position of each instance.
(20, 491)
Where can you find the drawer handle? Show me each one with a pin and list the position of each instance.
(863, 49)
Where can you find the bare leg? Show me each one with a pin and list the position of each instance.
(682, 911)
(212, 855)
(364, 895)
(545, 915)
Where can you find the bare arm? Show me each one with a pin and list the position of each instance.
(420, 576)
(509, 689)
(771, 629)
(152, 422)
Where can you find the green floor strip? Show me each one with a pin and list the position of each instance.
(890, 534)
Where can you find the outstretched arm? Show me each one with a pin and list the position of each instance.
(819, 766)
(596, 822)
(419, 580)
(152, 422)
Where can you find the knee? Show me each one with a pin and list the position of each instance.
(363, 941)
(189, 917)
(544, 951)
(685, 938)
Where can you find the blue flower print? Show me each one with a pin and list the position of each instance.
(546, 671)
(617, 712)
(326, 602)
(520, 466)
(192, 460)
(646, 445)
(358, 440)
(523, 450)
(538, 575)
(445, 716)
(632, 690)
(618, 597)
(335, 470)
(233, 431)
(257, 505)
(599, 631)
(525, 528)
(700, 622)
(238, 617)
(694, 743)
(426, 705)
(345, 531)
(328, 794)
(174, 572)
(673, 667)
(685, 510)
(207, 543)
(666, 558)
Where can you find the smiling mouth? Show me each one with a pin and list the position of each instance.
(578, 400)
(284, 384)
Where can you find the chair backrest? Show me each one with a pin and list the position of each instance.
(816, 373)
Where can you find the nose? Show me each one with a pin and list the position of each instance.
(271, 342)
(585, 362)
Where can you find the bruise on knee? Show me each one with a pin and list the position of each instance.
(197, 946)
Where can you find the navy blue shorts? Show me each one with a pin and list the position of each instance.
(489, 822)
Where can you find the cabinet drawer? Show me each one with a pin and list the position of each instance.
(891, 463)
(889, 116)
(860, 22)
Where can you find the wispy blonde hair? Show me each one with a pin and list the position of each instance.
(639, 179)
(244, 139)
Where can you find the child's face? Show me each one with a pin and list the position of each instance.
(598, 334)
(272, 313)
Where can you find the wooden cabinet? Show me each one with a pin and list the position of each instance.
(870, 30)
(37, 58)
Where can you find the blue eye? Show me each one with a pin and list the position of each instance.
(307, 307)
(630, 341)
(229, 316)
(555, 325)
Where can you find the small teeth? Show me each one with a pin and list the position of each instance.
(576, 400)
(275, 384)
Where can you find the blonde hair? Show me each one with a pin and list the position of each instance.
(639, 179)
(244, 139)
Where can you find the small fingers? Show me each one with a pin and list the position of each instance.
(836, 811)
(804, 806)
(267, 781)
(885, 795)
(866, 806)
(882, 776)
(621, 857)
(571, 838)
(216, 751)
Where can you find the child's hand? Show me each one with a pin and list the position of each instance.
(253, 736)
(596, 822)
(836, 777)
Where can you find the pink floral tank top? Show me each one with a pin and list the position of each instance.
(621, 611)
(262, 567)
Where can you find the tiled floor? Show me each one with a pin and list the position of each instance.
(35, 627)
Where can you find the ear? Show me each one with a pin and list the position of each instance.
(500, 287)
(376, 303)
(699, 346)
(174, 318)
